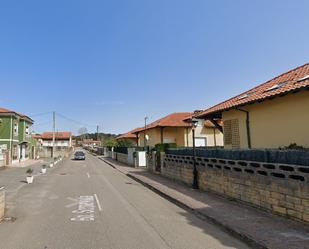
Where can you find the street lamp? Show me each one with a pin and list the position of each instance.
(194, 122)
(145, 136)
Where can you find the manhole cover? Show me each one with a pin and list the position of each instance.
(63, 174)
(128, 182)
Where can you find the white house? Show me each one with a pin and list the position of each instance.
(63, 139)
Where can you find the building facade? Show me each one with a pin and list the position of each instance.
(15, 137)
(176, 128)
(272, 115)
(62, 144)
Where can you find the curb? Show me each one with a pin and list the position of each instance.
(245, 238)
(110, 164)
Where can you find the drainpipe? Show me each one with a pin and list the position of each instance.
(215, 142)
(247, 126)
(11, 142)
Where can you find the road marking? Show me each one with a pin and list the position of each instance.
(85, 211)
(88, 175)
(98, 202)
(75, 202)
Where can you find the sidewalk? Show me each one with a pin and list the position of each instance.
(12, 177)
(25, 163)
(258, 228)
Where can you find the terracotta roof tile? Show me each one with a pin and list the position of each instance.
(58, 135)
(36, 136)
(4, 110)
(293, 80)
(176, 119)
(129, 134)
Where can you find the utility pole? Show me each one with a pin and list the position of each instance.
(97, 132)
(54, 137)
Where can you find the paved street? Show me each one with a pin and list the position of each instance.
(88, 204)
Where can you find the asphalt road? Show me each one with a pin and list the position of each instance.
(89, 205)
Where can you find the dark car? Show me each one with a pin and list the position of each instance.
(79, 155)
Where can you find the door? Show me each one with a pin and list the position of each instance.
(23, 152)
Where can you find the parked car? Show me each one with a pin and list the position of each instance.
(79, 155)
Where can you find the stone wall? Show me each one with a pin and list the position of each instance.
(121, 157)
(153, 163)
(46, 152)
(282, 189)
(2, 202)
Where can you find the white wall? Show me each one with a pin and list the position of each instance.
(58, 143)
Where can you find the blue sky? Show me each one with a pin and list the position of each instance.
(113, 62)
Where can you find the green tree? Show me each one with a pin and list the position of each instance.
(125, 143)
(109, 142)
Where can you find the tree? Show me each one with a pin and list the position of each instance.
(83, 132)
(125, 143)
(109, 142)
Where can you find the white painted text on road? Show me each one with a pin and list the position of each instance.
(85, 211)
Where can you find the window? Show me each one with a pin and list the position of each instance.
(231, 133)
(15, 129)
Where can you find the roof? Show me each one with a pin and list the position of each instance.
(292, 81)
(209, 124)
(8, 111)
(176, 119)
(58, 135)
(36, 136)
(129, 134)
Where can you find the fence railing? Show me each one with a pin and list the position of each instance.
(296, 157)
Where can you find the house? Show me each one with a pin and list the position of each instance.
(176, 128)
(36, 142)
(89, 142)
(62, 139)
(15, 137)
(271, 115)
(63, 142)
(129, 136)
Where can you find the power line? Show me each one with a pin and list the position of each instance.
(40, 114)
(74, 121)
(44, 123)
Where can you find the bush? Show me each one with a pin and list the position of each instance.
(292, 146)
(164, 147)
(124, 143)
(29, 171)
